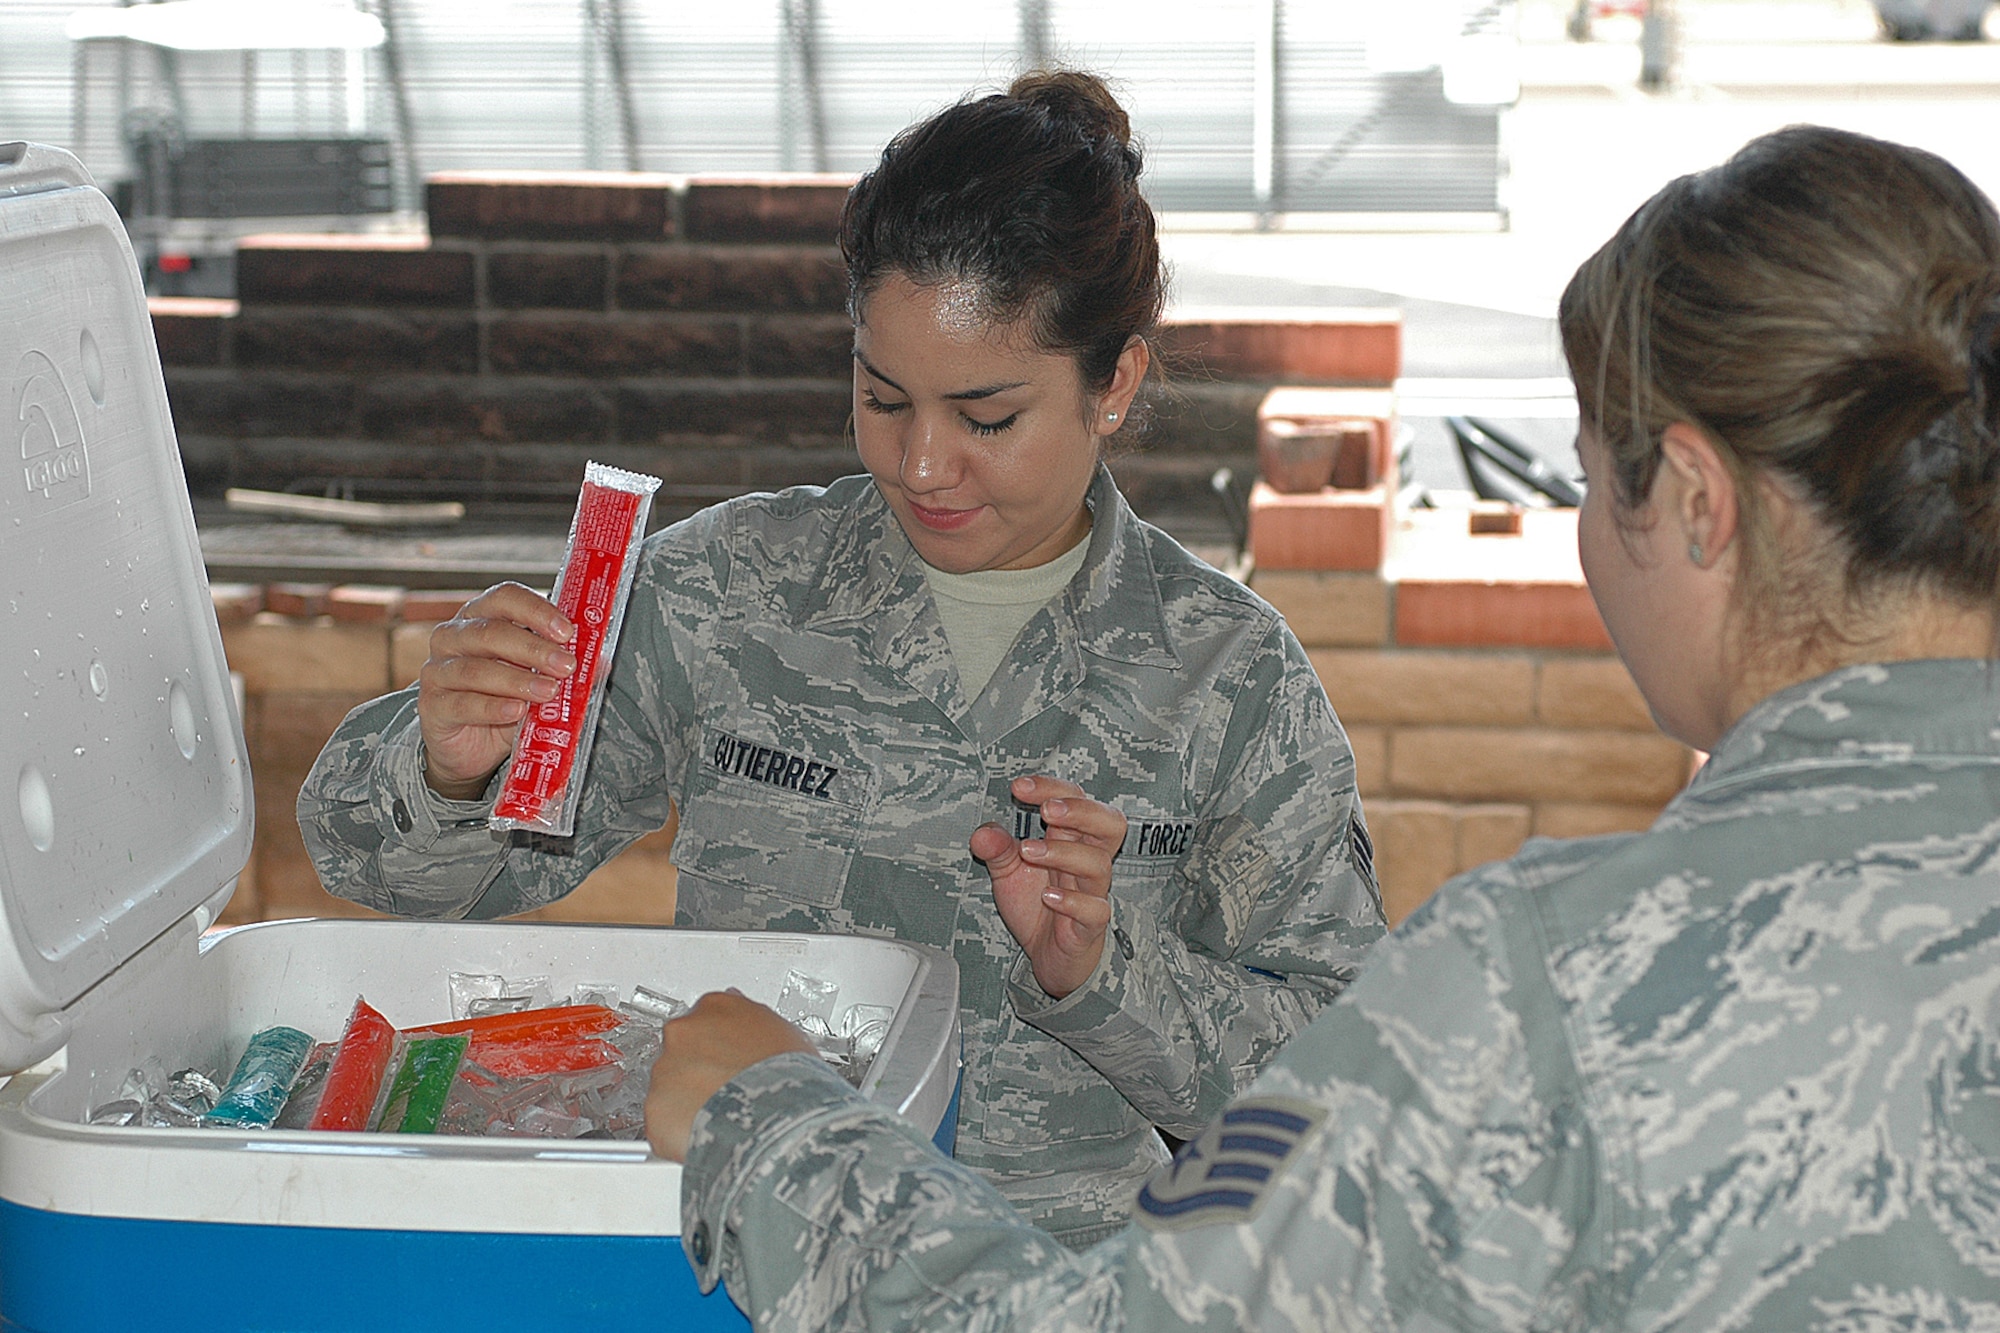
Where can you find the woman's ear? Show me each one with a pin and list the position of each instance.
(1699, 493)
(1115, 403)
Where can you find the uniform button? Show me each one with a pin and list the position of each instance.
(401, 814)
(698, 1243)
(1124, 942)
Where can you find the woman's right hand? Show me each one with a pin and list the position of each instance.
(500, 655)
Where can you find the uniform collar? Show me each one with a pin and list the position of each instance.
(1939, 710)
(872, 577)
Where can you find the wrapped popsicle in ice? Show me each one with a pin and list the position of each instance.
(544, 778)
(354, 1080)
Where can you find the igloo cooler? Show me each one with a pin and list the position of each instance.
(125, 813)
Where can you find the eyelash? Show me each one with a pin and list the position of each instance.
(874, 404)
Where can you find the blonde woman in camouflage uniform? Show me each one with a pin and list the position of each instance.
(969, 700)
(1740, 1071)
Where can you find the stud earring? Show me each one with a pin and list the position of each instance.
(1694, 552)
(1111, 416)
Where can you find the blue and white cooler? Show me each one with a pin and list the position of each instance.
(125, 814)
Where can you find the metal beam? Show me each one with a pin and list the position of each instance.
(1037, 50)
(399, 98)
(801, 67)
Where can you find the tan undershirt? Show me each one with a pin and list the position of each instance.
(984, 612)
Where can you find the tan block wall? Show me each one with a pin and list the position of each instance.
(300, 678)
(1460, 753)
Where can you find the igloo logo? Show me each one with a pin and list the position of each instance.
(54, 462)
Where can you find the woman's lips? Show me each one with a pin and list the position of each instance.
(943, 520)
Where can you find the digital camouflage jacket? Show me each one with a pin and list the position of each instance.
(783, 679)
(1738, 1072)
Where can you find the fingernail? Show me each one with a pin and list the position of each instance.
(1053, 897)
(562, 663)
(1055, 807)
(542, 688)
(1034, 849)
(565, 631)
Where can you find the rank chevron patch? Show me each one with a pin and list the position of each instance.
(1223, 1176)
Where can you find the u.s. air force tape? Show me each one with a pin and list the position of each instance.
(1224, 1175)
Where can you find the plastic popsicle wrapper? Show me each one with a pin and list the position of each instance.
(355, 1079)
(545, 776)
(417, 1097)
(256, 1092)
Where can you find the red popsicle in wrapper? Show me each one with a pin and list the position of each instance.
(352, 1085)
(545, 776)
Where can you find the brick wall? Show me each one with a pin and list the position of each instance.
(1482, 709)
(1478, 688)
(691, 327)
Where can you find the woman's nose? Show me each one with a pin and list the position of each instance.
(930, 461)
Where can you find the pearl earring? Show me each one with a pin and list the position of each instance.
(1694, 552)
(1111, 416)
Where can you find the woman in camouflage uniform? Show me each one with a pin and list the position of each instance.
(1739, 1071)
(969, 700)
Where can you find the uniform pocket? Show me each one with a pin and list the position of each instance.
(762, 818)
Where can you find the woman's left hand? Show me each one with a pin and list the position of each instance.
(723, 1035)
(1054, 892)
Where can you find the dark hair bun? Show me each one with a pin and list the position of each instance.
(1074, 97)
(1032, 197)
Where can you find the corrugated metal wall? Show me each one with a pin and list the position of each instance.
(529, 84)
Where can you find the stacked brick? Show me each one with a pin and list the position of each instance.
(1477, 685)
(693, 328)
(309, 653)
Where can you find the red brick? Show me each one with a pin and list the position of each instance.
(449, 409)
(236, 602)
(209, 402)
(628, 345)
(1326, 530)
(733, 277)
(190, 330)
(362, 604)
(801, 347)
(298, 600)
(350, 271)
(1341, 347)
(772, 207)
(343, 340)
(735, 414)
(547, 279)
(1473, 614)
(562, 206)
(1322, 406)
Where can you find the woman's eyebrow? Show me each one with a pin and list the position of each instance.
(963, 395)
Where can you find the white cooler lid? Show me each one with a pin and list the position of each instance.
(124, 793)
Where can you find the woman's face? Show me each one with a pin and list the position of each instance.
(982, 444)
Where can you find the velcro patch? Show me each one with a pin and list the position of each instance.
(1223, 1176)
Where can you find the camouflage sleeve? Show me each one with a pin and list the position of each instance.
(821, 1210)
(1270, 913)
(1415, 1159)
(379, 836)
